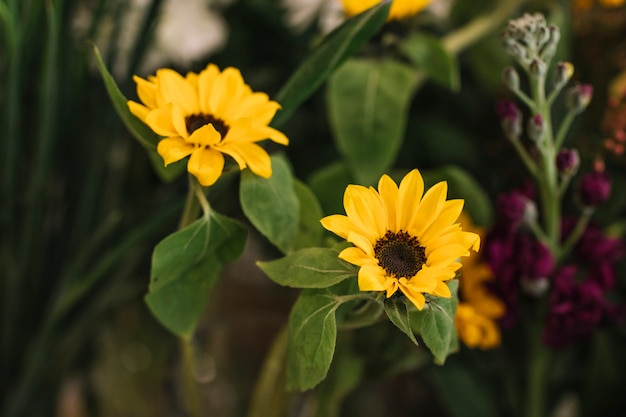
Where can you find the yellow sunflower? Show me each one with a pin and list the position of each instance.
(207, 115)
(403, 239)
(400, 9)
(478, 310)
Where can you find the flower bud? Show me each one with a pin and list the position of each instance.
(511, 119)
(579, 97)
(536, 128)
(538, 68)
(516, 209)
(567, 162)
(562, 74)
(511, 78)
(595, 188)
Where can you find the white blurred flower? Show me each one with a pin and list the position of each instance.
(301, 14)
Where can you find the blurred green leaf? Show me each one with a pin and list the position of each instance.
(309, 268)
(320, 64)
(271, 204)
(312, 337)
(186, 264)
(428, 54)
(310, 231)
(398, 313)
(368, 103)
(462, 185)
(329, 183)
(137, 128)
(438, 328)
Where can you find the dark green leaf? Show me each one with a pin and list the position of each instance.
(338, 45)
(428, 54)
(271, 204)
(368, 103)
(309, 268)
(312, 338)
(185, 266)
(398, 312)
(137, 128)
(438, 328)
(310, 231)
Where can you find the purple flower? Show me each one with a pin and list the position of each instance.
(595, 188)
(513, 207)
(567, 162)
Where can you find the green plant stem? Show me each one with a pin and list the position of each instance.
(575, 235)
(565, 125)
(190, 385)
(269, 395)
(536, 383)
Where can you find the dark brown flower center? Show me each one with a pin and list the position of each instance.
(196, 121)
(400, 254)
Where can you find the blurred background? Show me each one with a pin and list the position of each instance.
(82, 207)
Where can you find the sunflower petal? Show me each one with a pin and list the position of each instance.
(173, 149)
(176, 90)
(251, 155)
(206, 165)
(160, 121)
(364, 208)
(415, 297)
(146, 91)
(388, 191)
(449, 214)
(139, 110)
(338, 224)
(361, 242)
(409, 195)
(356, 256)
(429, 209)
(206, 80)
(371, 278)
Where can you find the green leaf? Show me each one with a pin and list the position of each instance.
(329, 183)
(310, 231)
(438, 328)
(312, 338)
(368, 103)
(186, 264)
(271, 204)
(137, 128)
(428, 54)
(332, 52)
(309, 268)
(462, 185)
(398, 312)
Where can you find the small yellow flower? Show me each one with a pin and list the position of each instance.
(403, 239)
(478, 310)
(205, 116)
(400, 9)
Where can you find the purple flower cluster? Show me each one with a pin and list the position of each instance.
(578, 299)
(525, 268)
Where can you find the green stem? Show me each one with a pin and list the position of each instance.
(192, 205)
(190, 385)
(536, 384)
(565, 125)
(269, 395)
(575, 235)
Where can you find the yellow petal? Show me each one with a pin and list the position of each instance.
(388, 191)
(429, 208)
(146, 91)
(449, 214)
(371, 278)
(160, 120)
(365, 210)
(176, 90)
(139, 110)
(249, 154)
(442, 290)
(173, 149)
(414, 296)
(446, 254)
(205, 136)
(361, 242)
(357, 257)
(224, 91)
(206, 79)
(409, 195)
(206, 165)
(423, 281)
(338, 224)
(179, 122)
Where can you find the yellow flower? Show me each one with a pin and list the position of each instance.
(403, 240)
(400, 9)
(478, 310)
(207, 115)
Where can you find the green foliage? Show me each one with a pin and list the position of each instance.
(428, 54)
(271, 204)
(310, 232)
(186, 264)
(368, 104)
(437, 326)
(332, 52)
(329, 183)
(398, 312)
(309, 268)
